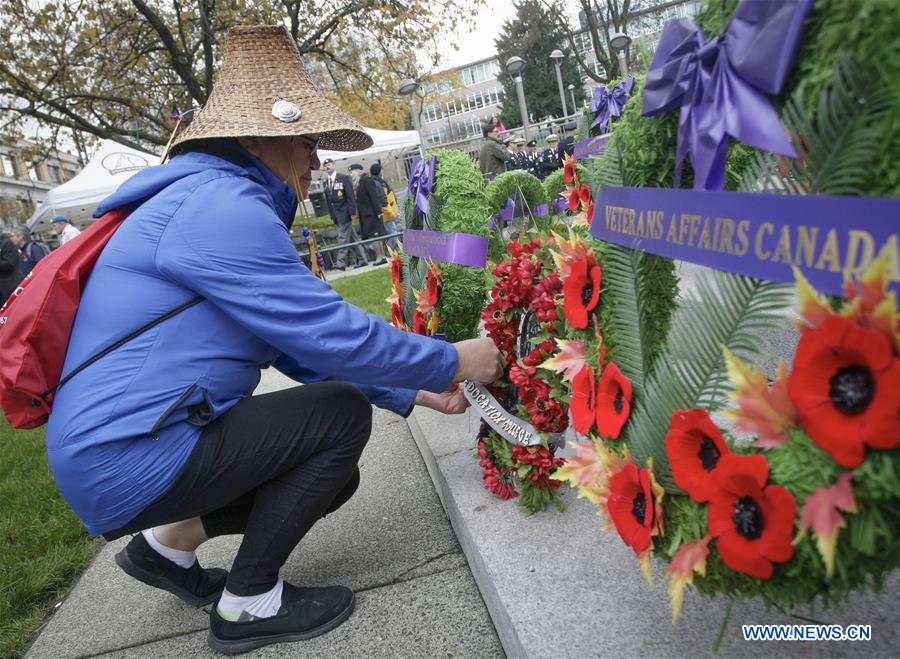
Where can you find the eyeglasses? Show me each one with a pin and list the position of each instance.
(313, 144)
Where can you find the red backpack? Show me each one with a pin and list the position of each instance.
(37, 319)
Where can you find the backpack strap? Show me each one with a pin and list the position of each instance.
(118, 344)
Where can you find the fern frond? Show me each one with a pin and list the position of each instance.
(726, 311)
(837, 149)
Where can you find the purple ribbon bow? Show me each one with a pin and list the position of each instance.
(608, 103)
(421, 183)
(719, 85)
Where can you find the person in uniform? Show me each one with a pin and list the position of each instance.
(567, 143)
(531, 157)
(549, 161)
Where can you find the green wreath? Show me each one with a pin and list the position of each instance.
(457, 205)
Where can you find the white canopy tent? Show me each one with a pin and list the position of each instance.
(384, 141)
(77, 198)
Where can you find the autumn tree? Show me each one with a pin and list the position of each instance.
(532, 35)
(120, 68)
(601, 19)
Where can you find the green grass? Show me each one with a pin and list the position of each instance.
(368, 291)
(43, 546)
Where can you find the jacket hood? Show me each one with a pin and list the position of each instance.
(224, 155)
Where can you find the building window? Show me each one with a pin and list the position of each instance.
(53, 173)
(70, 173)
(472, 75)
(430, 113)
(7, 166)
(33, 170)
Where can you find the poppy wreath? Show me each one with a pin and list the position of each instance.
(780, 485)
(432, 298)
(526, 287)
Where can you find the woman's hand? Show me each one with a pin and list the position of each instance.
(479, 360)
(451, 401)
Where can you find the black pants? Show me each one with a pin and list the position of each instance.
(269, 468)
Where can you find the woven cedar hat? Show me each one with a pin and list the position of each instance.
(263, 90)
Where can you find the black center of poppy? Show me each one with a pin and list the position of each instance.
(852, 389)
(709, 454)
(586, 293)
(747, 518)
(639, 507)
(617, 403)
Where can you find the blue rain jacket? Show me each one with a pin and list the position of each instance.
(213, 223)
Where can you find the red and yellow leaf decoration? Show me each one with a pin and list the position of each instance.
(689, 559)
(822, 514)
(585, 470)
(568, 361)
(870, 304)
(761, 409)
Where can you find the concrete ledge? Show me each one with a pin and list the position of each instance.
(557, 586)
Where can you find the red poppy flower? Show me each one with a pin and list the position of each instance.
(632, 507)
(589, 213)
(581, 292)
(845, 384)
(754, 524)
(585, 194)
(696, 447)
(582, 405)
(569, 171)
(574, 198)
(420, 324)
(613, 401)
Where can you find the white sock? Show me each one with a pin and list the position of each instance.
(264, 605)
(178, 556)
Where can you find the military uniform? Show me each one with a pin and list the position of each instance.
(548, 161)
(567, 143)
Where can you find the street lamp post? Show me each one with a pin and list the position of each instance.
(514, 67)
(572, 92)
(408, 88)
(557, 57)
(619, 43)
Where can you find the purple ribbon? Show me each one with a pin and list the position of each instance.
(608, 103)
(541, 210)
(754, 234)
(562, 205)
(178, 116)
(421, 183)
(459, 248)
(590, 146)
(720, 85)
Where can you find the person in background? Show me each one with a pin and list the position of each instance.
(548, 161)
(567, 143)
(496, 123)
(10, 274)
(30, 251)
(342, 207)
(493, 155)
(370, 199)
(64, 229)
(390, 225)
(531, 157)
(516, 155)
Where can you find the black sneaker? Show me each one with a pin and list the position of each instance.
(305, 613)
(360, 265)
(194, 585)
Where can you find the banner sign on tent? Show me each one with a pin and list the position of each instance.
(459, 248)
(756, 234)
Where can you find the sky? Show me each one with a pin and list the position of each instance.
(479, 43)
